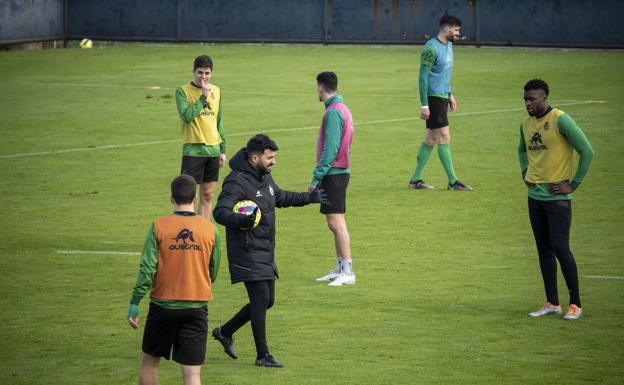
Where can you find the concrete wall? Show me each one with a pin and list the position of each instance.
(123, 19)
(552, 22)
(485, 22)
(31, 20)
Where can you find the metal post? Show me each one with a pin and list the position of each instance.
(65, 22)
(327, 22)
(178, 16)
(477, 23)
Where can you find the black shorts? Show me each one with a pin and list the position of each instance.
(336, 188)
(202, 168)
(438, 112)
(184, 330)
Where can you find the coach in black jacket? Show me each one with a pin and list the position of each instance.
(251, 250)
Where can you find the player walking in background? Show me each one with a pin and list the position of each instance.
(179, 263)
(203, 150)
(548, 139)
(434, 81)
(251, 250)
(332, 173)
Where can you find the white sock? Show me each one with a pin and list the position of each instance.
(346, 266)
(337, 268)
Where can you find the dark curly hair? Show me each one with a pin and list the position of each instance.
(537, 84)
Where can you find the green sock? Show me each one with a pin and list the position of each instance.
(421, 160)
(444, 153)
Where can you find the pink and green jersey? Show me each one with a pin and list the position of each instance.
(333, 147)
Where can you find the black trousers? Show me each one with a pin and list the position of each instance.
(261, 298)
(551, 222)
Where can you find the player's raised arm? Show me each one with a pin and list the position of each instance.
(186, 110)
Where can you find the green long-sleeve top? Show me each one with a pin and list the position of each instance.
(333, 135)
(428, 57)
(188, 112)
(149, 267)
(577, 139)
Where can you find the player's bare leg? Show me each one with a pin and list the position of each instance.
(338, 226)
(191, 374)
(149, 370)
(432, 137)
(206, 191)
(442, 137)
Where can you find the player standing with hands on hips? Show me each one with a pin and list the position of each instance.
(548, 139)
(250, 248)
(434, 82)
(203, 149)
(332, 171)
(179, 263)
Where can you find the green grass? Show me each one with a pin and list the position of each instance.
(444, 279)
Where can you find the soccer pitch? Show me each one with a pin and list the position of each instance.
(91, 140)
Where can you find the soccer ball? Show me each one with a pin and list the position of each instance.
(86, 43)
(247, 207)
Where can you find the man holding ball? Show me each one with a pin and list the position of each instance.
(250, 247)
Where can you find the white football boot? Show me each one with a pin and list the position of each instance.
(343, 279)
(574, 312)
(329, 277)
(547, 309)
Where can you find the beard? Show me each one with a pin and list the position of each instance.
(263, 170)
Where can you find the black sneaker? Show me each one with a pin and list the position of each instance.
(227, 342)
(419, 185)
(459, 186)
(269, 362)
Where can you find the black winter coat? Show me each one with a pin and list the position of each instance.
(251, 252)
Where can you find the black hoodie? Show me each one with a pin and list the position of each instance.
(251, 252)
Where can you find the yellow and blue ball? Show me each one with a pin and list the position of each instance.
(86, 43)
(247, 207)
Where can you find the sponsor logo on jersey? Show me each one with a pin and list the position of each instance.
(271, 190)
(184, 235)
(536, 143)
(258, 194)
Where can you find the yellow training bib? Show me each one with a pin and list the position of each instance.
(551, 157)
(202, 129)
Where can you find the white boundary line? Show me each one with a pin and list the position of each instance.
(102, 252)
(114, 146)
(604, 277)
(110, 252)
(287, 94)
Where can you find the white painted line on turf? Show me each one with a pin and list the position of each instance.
(264, 93)
(109, 146)
(113, 146)
(100, 252)
(604, 277)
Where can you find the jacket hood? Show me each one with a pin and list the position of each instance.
(240, 162)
